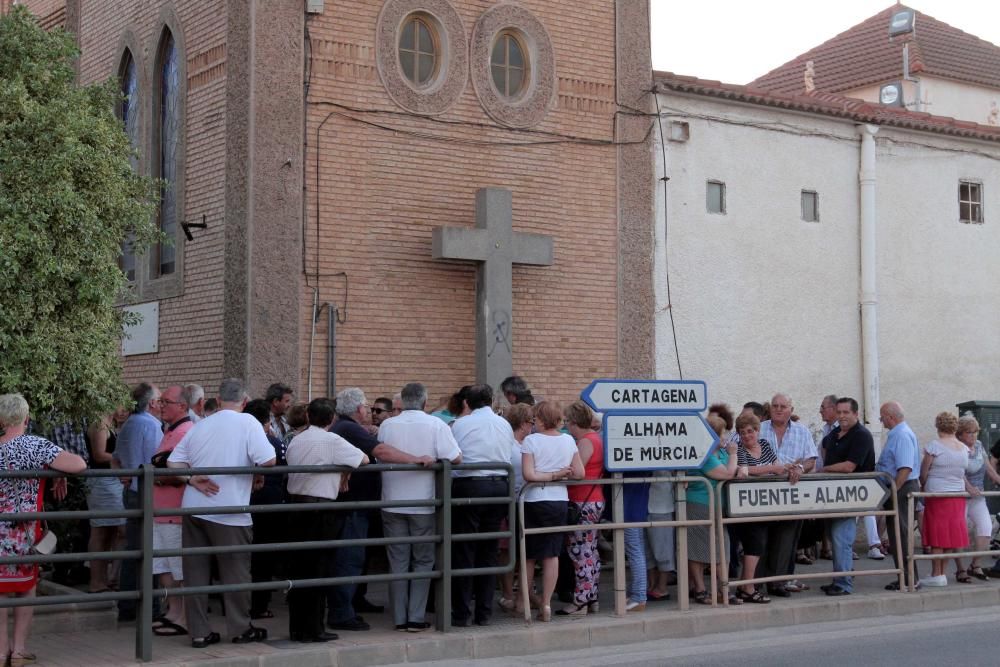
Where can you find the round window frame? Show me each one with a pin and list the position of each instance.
(434, 28)
(520, 39)
(533, 104)
(445, 87)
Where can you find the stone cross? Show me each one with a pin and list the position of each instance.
(496, 247)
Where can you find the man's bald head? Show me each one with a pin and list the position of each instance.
(891, 414)
(781, 409)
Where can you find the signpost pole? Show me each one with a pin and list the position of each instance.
(618, 512)
(682, 548)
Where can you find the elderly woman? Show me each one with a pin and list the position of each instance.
(588, 503)
(105, 494)
(976, 511)
(547, 456)
(755, 458)
(19, 451)
(942, 470)
(521, 421)
(719, 466)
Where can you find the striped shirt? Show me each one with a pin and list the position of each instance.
(796, 446)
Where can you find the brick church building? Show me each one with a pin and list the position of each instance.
(321, 143)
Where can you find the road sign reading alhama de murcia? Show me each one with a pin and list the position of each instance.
(643, 441)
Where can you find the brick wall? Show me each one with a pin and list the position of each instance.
(409, 317)
(190, 337)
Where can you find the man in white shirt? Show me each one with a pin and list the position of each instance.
(419, 434)
(794, 445)
(228, 438)
(316, 446)
(483, 437)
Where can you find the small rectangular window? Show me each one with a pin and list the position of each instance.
(810, 206)
(715, 197)
(970, 202)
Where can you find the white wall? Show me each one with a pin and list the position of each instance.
(943, 97)
(765, 302)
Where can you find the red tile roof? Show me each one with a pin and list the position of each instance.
(865, 55)
(827, 104)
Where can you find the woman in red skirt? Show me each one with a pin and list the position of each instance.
(943, 471)
(23, 452)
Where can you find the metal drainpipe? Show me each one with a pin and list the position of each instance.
(331, 350)
(869, 292)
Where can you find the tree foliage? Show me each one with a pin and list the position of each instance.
(68, 197)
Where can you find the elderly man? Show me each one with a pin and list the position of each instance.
(849, 449)
(230, 439)
(168, 492)
(352, 413)
(483, 437)
(793, 444)
(315, 446)
(418, 434)
(138, 439)
(901, 459)
(194, 396)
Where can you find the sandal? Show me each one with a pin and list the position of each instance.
(803, 559)
(263, 613)
(978, 573)
(21, 659)
(826, 554)
(204, 642)
(167, 628)
(734, 600)
(963, 577)
(757, 597)
(507, 604)
(702, 597)
(251, 634)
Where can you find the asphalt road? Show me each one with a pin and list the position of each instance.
(963, 637)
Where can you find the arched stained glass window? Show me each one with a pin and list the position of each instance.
(167, 122)
(128, 112)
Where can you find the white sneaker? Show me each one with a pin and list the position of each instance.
(875, 553)
(938, 581)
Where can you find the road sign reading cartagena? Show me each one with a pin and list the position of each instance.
(808, 496)
(646, 395)
(643, 441)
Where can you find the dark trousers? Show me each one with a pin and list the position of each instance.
(477, 553)
(350, 562)
(779, 558)
(267, 529)
(128, 578)
(902, 500)
(305, 605)
(372, 556)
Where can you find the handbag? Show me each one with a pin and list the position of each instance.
(46, 544)
(573, 509)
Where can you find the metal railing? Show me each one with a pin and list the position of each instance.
(725, 520)
(444, 538)
(911, 515)
(682, 523)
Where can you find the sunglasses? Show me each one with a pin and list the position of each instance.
(378, 411)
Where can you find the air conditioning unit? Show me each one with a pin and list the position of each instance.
(314, 6)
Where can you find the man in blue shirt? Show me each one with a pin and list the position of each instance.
(138, 440)
(901, 459)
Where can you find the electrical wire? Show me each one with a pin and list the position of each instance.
(666, 235)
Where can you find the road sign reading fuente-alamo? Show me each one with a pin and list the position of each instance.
(646, 395)
(807, 497)
(642, 441)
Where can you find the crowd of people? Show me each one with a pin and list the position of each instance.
(544, 443)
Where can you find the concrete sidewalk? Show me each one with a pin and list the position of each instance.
(509, 636)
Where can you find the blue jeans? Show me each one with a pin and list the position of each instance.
(348, 562)
(635, 550)
(842, 534)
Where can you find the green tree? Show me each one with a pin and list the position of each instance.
(68, 197)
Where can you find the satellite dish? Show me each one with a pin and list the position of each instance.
(891, 94)
(902, 22)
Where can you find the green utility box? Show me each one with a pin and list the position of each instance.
(987, 413)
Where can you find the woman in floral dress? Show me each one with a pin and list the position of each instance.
(19, 451)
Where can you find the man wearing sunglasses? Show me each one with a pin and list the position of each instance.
(381, 410)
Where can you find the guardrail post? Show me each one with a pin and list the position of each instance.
(144, 619)
(911, 564)
(618, 512)
(442, 587)
(682, 547)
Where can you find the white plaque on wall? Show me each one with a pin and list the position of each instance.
(142, 337)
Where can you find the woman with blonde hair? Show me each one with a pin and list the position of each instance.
(19, 451)
(546, 456)
(942, 470)
(976, 511)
